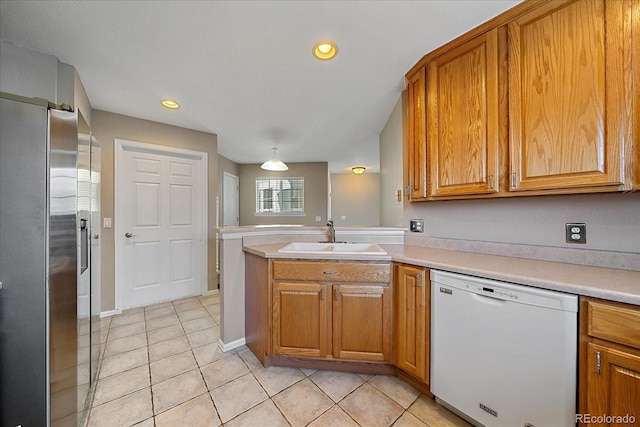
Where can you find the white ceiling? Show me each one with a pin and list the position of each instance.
(244, 70)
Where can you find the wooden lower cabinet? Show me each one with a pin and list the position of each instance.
(412, 320)
(362, 322)
(332, 310)
(613, 382)
(301, 319)
(609, 363)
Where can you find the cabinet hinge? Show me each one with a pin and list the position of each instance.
(321, 293)
(491, 182)
(335, 294)
(513, 180)
(598, 363)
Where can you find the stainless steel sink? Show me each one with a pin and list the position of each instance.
(335, 248)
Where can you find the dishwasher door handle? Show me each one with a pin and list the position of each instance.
(487, 299)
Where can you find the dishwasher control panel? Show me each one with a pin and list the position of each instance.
(448, 282)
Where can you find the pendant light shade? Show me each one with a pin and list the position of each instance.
(274, 164)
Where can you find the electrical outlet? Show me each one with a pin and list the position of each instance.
(576, 233)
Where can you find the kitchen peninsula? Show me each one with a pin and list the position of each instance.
(610, 275)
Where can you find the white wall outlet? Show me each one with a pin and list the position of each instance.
(318, 218)
(106, 222)
(576, 233)
(343, 217)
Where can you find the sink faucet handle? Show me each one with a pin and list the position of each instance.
(332, 231)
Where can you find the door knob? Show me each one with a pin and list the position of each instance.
(127, 235)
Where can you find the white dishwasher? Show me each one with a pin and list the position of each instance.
(503, 354)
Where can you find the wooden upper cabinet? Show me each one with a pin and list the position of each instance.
(463, 119)
(570, 97)
(416, 121)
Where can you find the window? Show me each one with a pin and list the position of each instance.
(279, 196)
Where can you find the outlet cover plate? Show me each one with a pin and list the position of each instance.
(576, 233)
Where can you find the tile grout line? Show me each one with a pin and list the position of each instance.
(153, 410)
(252, 372)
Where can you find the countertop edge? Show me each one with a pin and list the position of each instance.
(599, 282)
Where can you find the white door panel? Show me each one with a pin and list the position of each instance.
(161, 201)
(231, 214)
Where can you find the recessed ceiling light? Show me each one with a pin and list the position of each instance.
(325, 49)
(170, 104)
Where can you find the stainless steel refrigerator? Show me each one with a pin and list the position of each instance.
(40, 244)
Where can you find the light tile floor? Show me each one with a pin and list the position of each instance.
(162, 366)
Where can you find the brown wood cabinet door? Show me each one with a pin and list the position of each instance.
(613, 383)
(416, 120)
(412, 296)
(570, 102)
(362, 322)
(462, 119)
(300, 319)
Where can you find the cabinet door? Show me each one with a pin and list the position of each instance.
(463, 119)
(569, 95)
(412, 296)
(613, 382)
(416, 121)
(362, 322)
(300, 319)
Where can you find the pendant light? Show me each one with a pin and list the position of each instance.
(274, 164)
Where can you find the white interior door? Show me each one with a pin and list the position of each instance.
(231, 214)
(160, 226)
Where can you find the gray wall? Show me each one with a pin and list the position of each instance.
(613, 220)
(109, 126)
(316, 182)
(357, 197)
(33, 74)
(391, 137)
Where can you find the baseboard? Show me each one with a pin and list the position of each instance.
(213, 292)
(232, 345)
(109, 313)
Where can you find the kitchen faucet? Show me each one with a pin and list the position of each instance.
(332, 231)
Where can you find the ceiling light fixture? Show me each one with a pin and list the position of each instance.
(274, 164)
(325, 50)
(170, 104)
(358, 170)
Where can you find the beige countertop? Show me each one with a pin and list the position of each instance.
(607, 283)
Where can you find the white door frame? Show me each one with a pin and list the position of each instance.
(122, 145)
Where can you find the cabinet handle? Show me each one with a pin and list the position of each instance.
(328, 272)
(513, 180)
(335, 294)
(598, 363)
(491, 182)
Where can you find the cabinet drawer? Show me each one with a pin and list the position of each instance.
(328, 271)
(619, 323)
